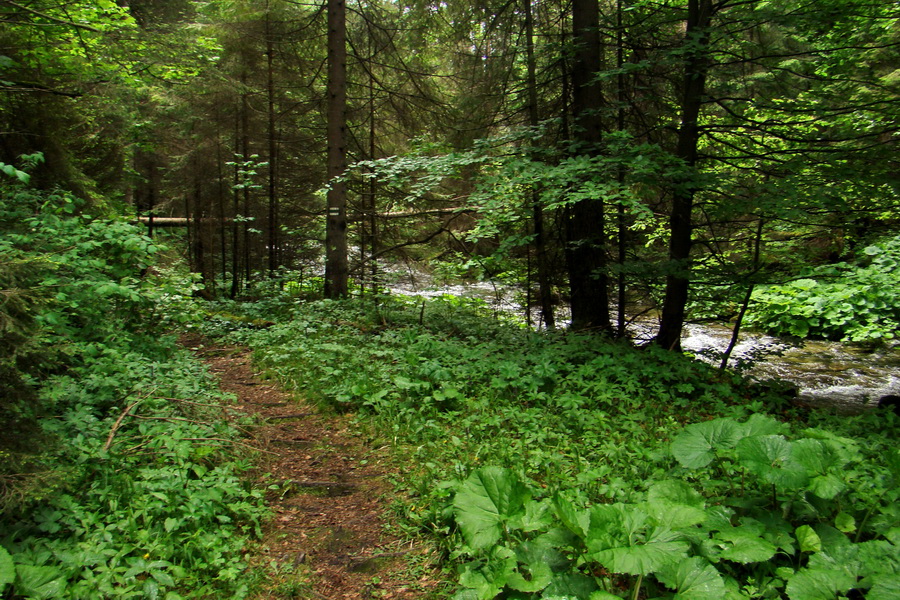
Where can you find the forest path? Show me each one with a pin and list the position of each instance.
(326, 538)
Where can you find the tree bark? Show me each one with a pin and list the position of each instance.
(700, 13)
(585, 247)
(545, 295)
(272, 224)
(336, 261)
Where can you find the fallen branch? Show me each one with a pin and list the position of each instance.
(118, 423)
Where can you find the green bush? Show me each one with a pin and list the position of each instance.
(119, 476)
(855, 303)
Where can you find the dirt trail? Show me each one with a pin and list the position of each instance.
(327, 538)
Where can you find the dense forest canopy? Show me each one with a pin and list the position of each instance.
(625, 156)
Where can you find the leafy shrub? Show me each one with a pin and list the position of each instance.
(856, 303)
(123, 489)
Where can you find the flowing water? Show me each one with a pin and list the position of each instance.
(847, 377)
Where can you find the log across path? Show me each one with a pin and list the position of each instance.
(328, 536)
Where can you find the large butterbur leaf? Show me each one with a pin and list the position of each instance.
(819, 584)
(642, 558)
(573, 519)
(486, 580)
(693, 579)
(675, 505)
(627, 539)
(744, 545)
(570, 585)
(770, 457)
(531, 577)
(696, 446)
(822, 462)
(486, 500)
(759, 424)
(884, 587)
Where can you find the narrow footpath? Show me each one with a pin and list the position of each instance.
(327, 538)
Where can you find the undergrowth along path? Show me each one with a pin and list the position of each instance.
(327, 492)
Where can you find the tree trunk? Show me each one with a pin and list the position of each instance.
(236, 210)
(272, 224)
(585, 247)
(700, 13)
(545, 295)
(621, 222)
(336, 262)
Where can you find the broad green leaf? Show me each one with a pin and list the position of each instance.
(485, 501)
(163, 578)
(826, 486)
(39, 583)
(769, 457)
(603, 595)
(675, 504)
(744, 545)
(490, 577)
(695, 446)
(819, 584)
(575, 521)
(613, 525)
(675, 516)
(542, 550)
(808, 539)
(760, 424)
(537, 517)
(675, 492)
(641, 559)
(693, 579)
(845, 522)
(539, 577)
(821, 459)
(570, 585)
(884, 587)
(879, 556)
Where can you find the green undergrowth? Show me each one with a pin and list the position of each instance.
(119, 476)
(567, 466)
(851, 302)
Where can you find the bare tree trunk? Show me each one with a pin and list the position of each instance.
(245, 192)
(372, 201)
(621, 224)
(700, 13)
(336, 261)
(545, 295)
(585, 247)
(236, 210)
(272, 224)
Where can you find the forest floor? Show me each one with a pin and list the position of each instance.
(329, 536)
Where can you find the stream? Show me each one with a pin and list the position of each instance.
(845, 377)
